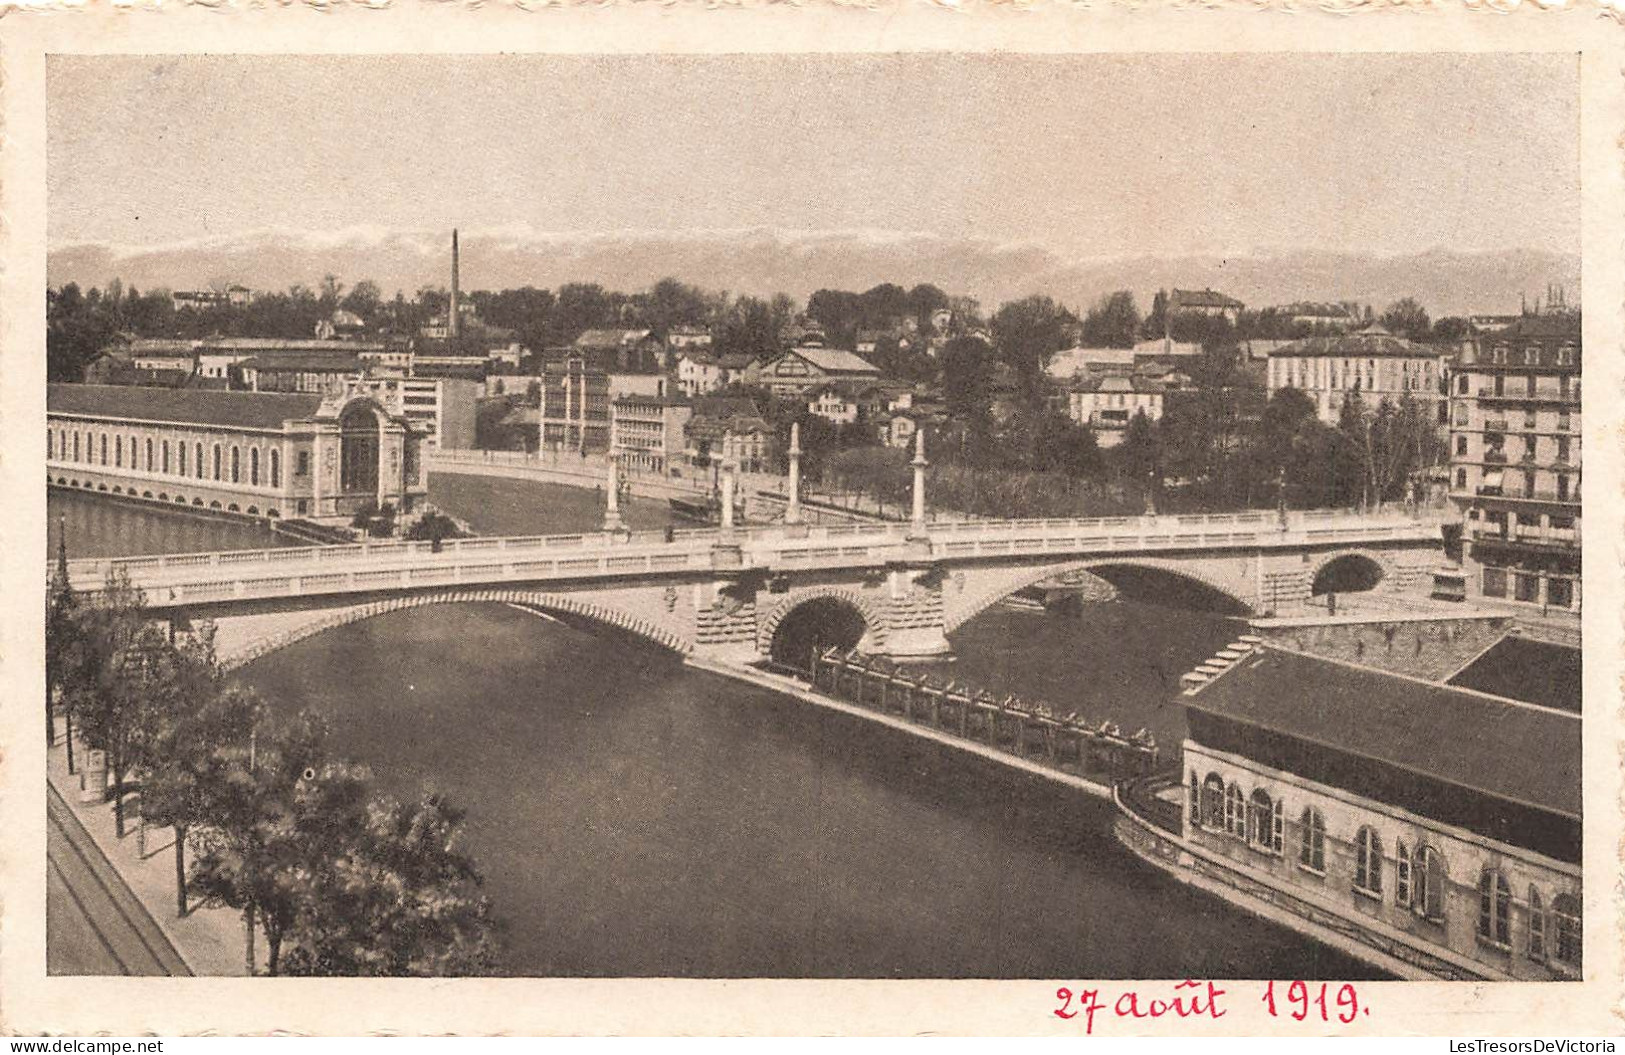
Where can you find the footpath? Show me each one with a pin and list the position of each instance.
(209, 940)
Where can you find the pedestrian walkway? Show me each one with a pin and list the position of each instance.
(206, 941)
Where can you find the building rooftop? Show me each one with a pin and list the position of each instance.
(1373, 342)
(261, 410)
(281, 346)
(1202, 298)
(331, 362)
(835, 360)
(1120, 383)
(610, 338)
(1492, 745)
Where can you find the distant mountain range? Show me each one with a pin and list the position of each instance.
(798, 262)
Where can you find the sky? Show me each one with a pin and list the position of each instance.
(1088, 156)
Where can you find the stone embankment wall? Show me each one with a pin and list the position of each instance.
(1432, 648)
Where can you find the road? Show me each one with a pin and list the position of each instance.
(93, 923)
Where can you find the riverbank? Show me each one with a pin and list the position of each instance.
(788, 686)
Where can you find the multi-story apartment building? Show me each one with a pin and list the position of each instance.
(1107, 404)
(1372, 362)
(574, 408)
(1515, 461)
(648, 431)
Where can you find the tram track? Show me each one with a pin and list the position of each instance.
(102, 903)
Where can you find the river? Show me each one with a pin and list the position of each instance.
(634, 816)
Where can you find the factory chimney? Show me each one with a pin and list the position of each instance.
(454, 322)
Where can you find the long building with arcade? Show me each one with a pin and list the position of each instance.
(317, 457)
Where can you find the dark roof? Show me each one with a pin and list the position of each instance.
(1557, 326)
(281, 346)
(331, 361)
(1495, 746)
(1119, 383)
(1202, 298)
(1373, 342)
(261, 410)
(1529, 670)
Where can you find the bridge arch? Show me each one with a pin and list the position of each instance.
(873, 618)
(1350, 571)
(580, 605)
(959, 613)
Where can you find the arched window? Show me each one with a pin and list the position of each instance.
(1537, 926)
(1235, 811)
(254, 466)
(1259, 811)
(1429, 879)
(276, 467)
(149, 456)
(118, 451)
(236, 464)
(1312, 839)
(104, 448)
(1368, 861)
(1213, 802)
(132, 452)
(166, 457)
(180, 451)
(76, 445)
(1566, 916)
(217, 461)
(1193, 801)
(1494, 907)
(200, 469)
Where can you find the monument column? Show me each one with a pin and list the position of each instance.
(792, 512)
(612, 486)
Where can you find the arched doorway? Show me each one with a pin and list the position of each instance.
(1350, 573)
(358, 449)
(820, 623)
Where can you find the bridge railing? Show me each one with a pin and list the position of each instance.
(843, 541)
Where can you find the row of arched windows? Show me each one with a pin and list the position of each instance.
(226, 464)
(1421, 878)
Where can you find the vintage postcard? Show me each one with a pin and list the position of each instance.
(655, 520)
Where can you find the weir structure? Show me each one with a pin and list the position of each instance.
(726, 593)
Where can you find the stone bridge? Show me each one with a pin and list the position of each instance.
(727, 592)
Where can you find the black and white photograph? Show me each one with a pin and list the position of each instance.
(934, 515)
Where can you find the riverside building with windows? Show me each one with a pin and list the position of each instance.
(260, 454)
(1515, 462)
(1439, 825)
(1371, 362)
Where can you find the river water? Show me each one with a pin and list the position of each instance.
(634, 816)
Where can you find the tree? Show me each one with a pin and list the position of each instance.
(1156, 320)
(1113, 322)
(400, 900)
(257, 844)
(1139, 455)
(190, 719)
(364, 299)
(1452, 328)
(967, 381)
(1027, 334)
(119, 646)
(63, 650)
(1406, 318)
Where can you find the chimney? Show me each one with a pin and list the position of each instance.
(454, 323)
